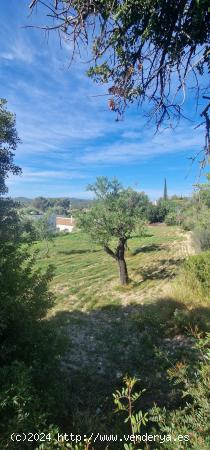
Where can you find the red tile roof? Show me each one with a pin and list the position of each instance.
(69, 221)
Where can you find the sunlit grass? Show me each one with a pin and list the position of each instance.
(84, 270)
(115, 330)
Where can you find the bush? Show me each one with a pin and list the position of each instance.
(175, 215)
(172, 219)
(30, 346)
(157, 213)
(197, 218)
(192, 418)
(202, 236)
(197, 269)
(20, 407)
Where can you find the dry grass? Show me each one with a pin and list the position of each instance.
(114, 330)
(86, 276)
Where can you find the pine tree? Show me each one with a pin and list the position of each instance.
(165, 193)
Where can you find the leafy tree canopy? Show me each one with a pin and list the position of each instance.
(150, 51)
(8, 143)
(112, 218)
(115, 212)
(40, 203)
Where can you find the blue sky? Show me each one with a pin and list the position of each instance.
(68, 135)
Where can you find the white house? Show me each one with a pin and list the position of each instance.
(65, 223)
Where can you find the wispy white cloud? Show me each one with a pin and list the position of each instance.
(29, 175)
(16, 46)
(128, 151)
(18, 51)
(131, 134)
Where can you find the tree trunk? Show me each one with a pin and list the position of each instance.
(120, 258)
(123, 271)
(120, 253)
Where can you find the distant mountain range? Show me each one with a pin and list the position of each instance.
(24, 200)
(75, 202)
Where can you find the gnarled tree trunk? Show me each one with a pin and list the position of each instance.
(123, 271)
(119, 256)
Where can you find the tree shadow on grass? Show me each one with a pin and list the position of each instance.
(148, 248)
(164, 268)
(137, 340)
(77, 252)
(146, 234)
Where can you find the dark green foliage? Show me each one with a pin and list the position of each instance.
(20, 406)
(8, 143)
(165, 192)
(157, 213)
(9, 224)
(24, 300)
(30, 347)
(172, 211)
(40, 203)
(58, 205)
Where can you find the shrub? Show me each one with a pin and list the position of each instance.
(172, 219)
(192, 418)
(157, 213)
(197, 269)
(202, 236)
(30, 346)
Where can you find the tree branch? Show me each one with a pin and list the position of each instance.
(110, 252)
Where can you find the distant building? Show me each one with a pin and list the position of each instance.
(65, 223)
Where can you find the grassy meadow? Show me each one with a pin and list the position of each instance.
(112, 330)
(85, 277)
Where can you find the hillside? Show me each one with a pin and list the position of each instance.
(75, 202)
(112, 328)
(23, 200)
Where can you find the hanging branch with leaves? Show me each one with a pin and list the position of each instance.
(146, 51)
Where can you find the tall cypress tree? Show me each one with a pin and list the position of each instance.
(165, 192)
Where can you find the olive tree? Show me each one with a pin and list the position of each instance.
(112, 219)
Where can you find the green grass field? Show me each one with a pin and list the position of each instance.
(113, 330)
(86, 278)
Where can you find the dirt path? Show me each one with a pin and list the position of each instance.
(187, 247)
